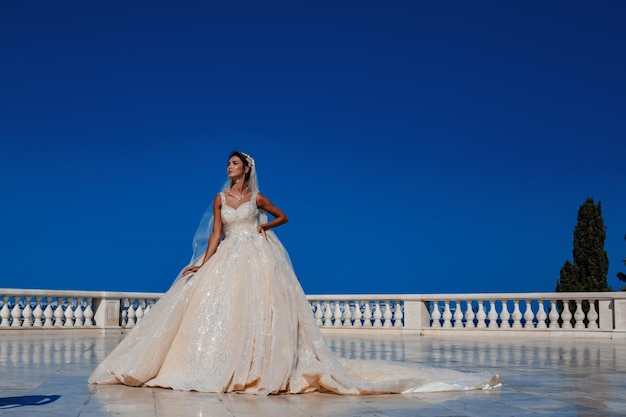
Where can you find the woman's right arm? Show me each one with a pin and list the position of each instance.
(214, 239)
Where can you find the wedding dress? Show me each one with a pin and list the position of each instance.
(242, 323)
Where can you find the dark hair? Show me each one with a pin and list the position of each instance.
(244, 161)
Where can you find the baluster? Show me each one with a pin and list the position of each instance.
(367, 314)
(328, 314)
(346, 311)
(48, 313)
(529, 316)
(139, 313)
(38, 312)
(318, 313)
(337, 314)
(592, 316)
(505, 315)
(357, 315)
(88, 313)
(124, 312)
(458, 314)
(69, 314)
(58, 313)
(492, 315)
(579, 316)
(541, 316)
(566, 315)
(130, 314)
(469, 315)
(387, 315)
(27, 313)
(378, 314)
(16, 313)
(5, 313)
(517, 315)
(397, 314)
(79, 313)
(553, 315)
(447, 315)
(436, 315)
(481, 315)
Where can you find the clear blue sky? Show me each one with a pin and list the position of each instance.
(417, 147)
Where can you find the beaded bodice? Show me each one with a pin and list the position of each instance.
(240, 220)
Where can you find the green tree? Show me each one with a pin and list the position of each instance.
(621, 275)
(591, 263)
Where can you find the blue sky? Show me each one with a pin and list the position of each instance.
(417, 147)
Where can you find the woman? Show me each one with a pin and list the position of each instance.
(237, 320)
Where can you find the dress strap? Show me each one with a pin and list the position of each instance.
(223, 197)
(253, 198)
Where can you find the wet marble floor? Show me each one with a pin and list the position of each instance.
(45, 375)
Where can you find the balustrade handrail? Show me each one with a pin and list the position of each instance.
(598, 295)
(604, 295)
(78, 293)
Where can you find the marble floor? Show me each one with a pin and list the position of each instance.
(45, 375)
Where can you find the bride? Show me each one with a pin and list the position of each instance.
(237, 319)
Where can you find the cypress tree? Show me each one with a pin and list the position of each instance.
(591, 263)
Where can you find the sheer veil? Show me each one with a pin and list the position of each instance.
(205, 227)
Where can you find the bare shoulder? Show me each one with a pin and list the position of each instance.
(260, 198)
(263, 201)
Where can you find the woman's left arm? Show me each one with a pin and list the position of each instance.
(280, 218)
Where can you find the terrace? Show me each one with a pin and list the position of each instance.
(559, 354)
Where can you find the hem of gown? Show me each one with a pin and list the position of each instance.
(130, 381)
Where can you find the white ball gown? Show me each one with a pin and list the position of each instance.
(242, 323)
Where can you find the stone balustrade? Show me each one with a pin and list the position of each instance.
(45, 309)
(598, 314)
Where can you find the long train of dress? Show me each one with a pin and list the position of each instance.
(242, 323)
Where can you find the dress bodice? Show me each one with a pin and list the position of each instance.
(240, 220)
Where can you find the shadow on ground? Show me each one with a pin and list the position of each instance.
(24, 400)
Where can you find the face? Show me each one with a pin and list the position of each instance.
(235, 167)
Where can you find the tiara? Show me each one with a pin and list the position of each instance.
(249, 159)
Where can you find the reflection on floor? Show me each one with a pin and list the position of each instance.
(46, 376)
